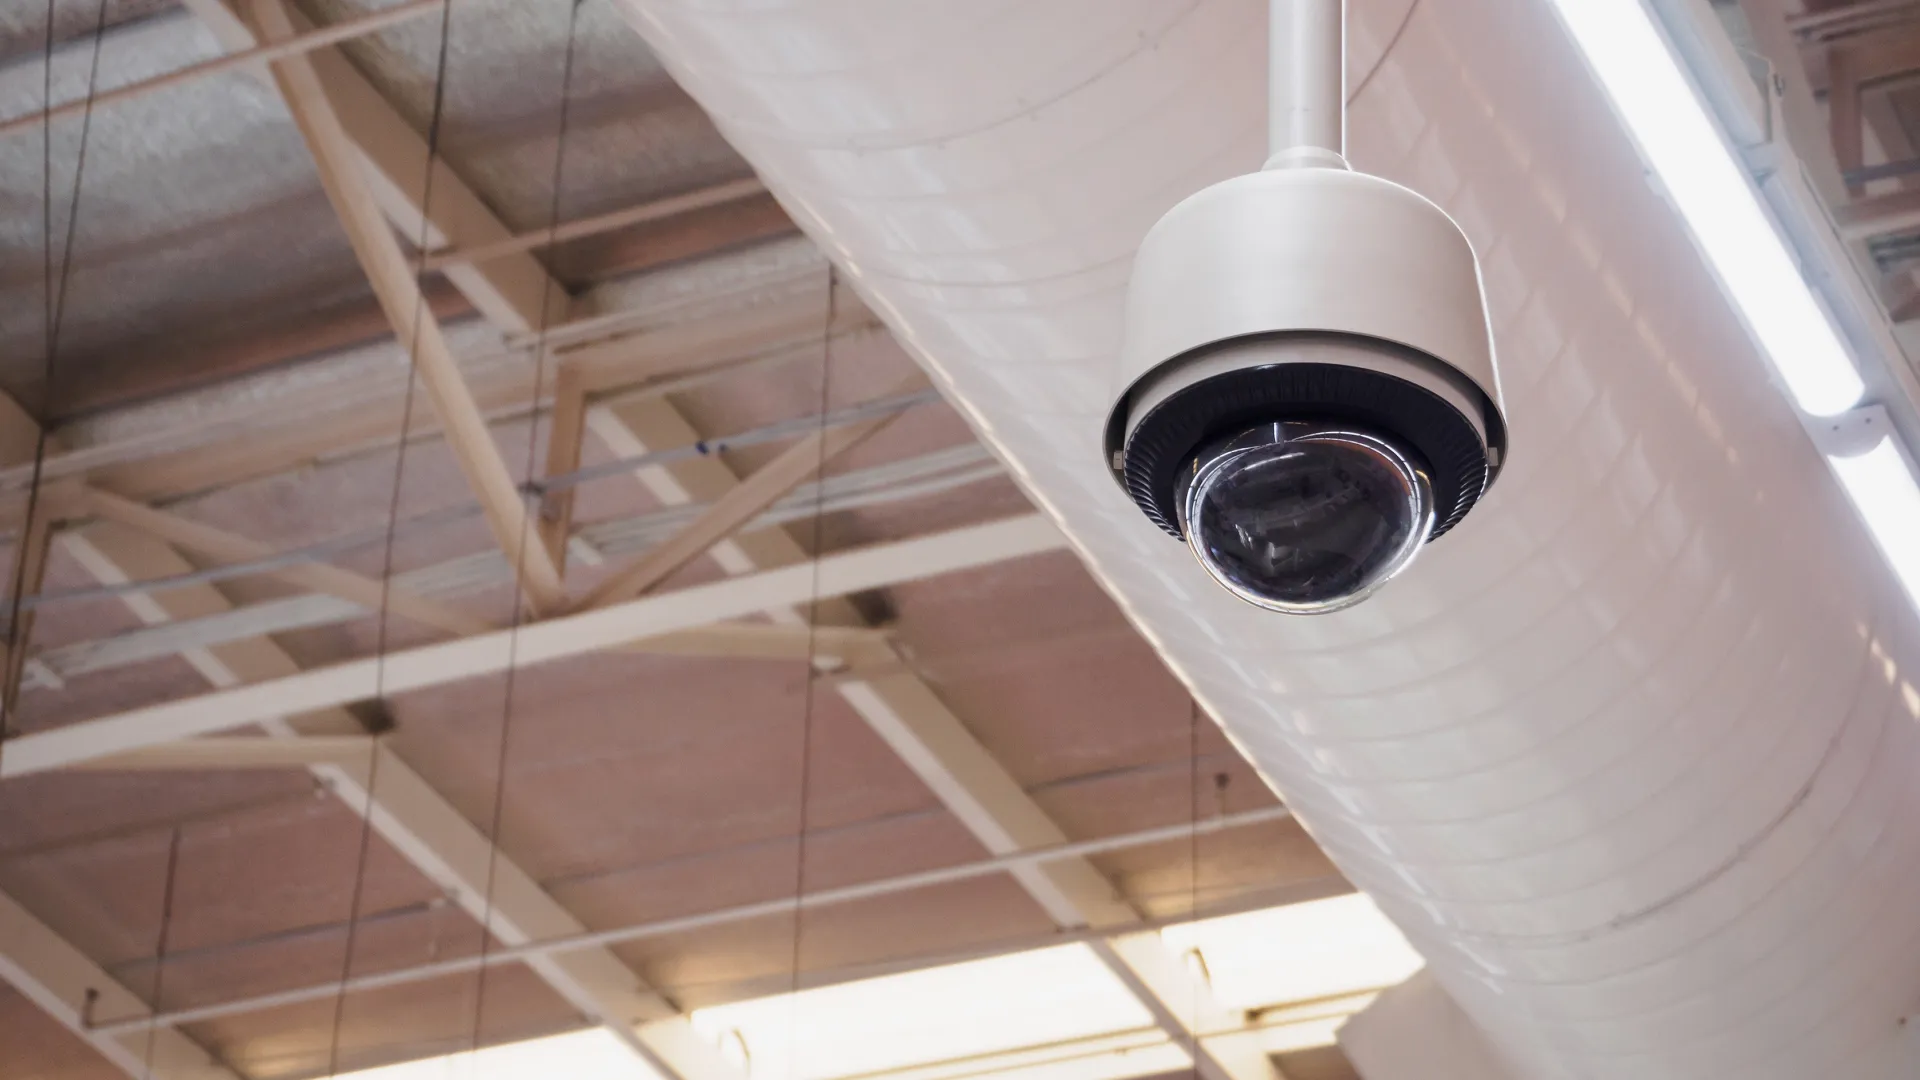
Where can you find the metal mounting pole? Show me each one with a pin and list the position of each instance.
(1307, 84)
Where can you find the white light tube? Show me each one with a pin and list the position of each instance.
(1883, 490)
(1687, 152)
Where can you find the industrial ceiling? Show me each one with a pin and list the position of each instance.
(233, 409)
(656, 677)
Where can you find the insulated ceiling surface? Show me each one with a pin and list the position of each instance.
(631, 133)
(199, 225)
(23, 23)
(196, 202)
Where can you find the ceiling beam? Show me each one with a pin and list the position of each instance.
(68, 986)
(404, 670)
(1896, 211)
(837, 647)
(218, 752)
(21, 445)
(816, 899)
(320, 577)
(566, 434)
(35, 960)
(1846, 127)
(287, 432)
(909, 716)
(901, 708)
(937, 745)
(387, 268)
(25, 572)
(419, 823)
(654, 210)
(1867, 59)
(742, 503)
(1182, 1005)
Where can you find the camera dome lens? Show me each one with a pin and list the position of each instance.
(1305, 517)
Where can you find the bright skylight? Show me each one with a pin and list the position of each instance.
(1684, 146)
(961, 1010)
(1300, 952)
(1047, 1014)
(593, 1054)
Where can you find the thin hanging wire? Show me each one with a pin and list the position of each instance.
(1193, 869)
(53, 313)
(162, 940)
(528, 536)
(811, 683)
(383, 617)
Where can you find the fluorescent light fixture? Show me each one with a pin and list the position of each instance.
(971, 1009)
(591, 1054)
(1300, 952)
(1154, 1060)
(1883, 490)
(1148, 1053)
(1688, 153)
(1305, 1035)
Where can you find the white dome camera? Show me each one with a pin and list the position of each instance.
(1307, 385)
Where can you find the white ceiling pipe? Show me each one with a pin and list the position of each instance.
(1629, 755)
(1414, 1031)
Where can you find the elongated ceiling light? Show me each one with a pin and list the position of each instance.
(1882, 488)
(1709, 186)
(1685, 147)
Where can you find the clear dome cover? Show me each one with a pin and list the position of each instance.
(1305, 517)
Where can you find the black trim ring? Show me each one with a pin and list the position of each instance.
(1165, 440)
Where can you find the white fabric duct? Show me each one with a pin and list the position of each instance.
(1631, 754)
(1414, 1031)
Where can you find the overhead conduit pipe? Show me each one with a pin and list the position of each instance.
(1632, 754)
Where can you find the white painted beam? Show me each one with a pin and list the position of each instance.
(433, 665)
(1183, 1005)
(388, 270)
(910, 717)
(72, 989)
(419, 823)
(237, 752)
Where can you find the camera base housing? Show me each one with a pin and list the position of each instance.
(1310, 293)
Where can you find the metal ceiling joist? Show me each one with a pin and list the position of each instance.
(1253, 900)
(740, 504)
(901, 708)
(566, 431)
(986, 798)
(320, 577)
(1183, 1005)
(294, 431)
(388, 269)
(238, 752)
(19, 446)
(404, 670)
(1896, 211)
(69, 987)
(654, 210)
(419, 823)
(43, 966)
(910, 717)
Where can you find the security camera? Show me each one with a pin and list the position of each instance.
(1307, 386)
